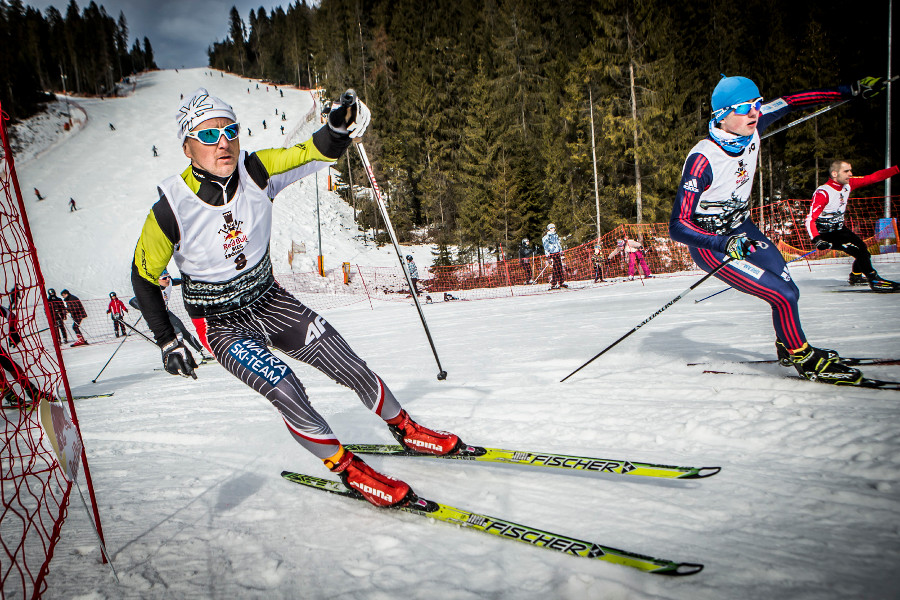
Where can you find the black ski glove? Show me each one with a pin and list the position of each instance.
(821, 244)
(350, 117)
(178, 360)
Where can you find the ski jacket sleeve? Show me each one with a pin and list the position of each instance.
(695, 179)
(151, 256)
(858, 182)
(775, 109)
(819, 202)
(276, 168)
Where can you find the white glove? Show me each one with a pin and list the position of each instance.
(363, 115)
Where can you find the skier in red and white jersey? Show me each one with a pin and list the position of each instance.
(827, 228)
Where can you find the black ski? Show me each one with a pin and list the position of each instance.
(878, 384)
(847, 360)
(512, 531)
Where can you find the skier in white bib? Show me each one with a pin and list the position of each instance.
(711, 215)
(215, 219)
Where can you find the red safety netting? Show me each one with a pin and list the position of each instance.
(782, 221)
(34, 488)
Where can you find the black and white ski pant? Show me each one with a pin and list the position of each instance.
(240, 341)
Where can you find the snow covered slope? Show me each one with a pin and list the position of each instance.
(112, 175)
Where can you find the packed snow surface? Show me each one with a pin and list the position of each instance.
(807, 505)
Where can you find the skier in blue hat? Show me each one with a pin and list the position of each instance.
(711, 214)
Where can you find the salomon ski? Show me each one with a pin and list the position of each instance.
(545, 459)
(865, 382)
(849, 361)
(513, 531)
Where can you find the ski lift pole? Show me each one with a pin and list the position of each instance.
(442, 374)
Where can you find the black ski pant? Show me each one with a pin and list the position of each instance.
(188, 337)
(118, 324)
(846, 241)
(61, 326)
(556, 277)
(240, 341)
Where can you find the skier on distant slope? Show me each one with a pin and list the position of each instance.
(216, 219)
(826, 227)
(711, 215)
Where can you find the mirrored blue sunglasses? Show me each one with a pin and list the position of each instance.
(211, 136)
(744, 107)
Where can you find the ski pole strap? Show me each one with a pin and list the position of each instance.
(651, 317)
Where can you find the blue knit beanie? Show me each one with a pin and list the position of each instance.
(733, 90)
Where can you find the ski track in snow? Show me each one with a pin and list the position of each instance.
(807, 505)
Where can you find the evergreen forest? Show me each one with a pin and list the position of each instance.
(82, 52)
(481, 130)
(490, 116)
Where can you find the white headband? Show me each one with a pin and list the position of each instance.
(200, 107)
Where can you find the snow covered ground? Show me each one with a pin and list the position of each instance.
(807, 505)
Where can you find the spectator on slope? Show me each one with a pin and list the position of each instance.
(826, 226)
(215, 218)
(413, 274)
(155, 152)
(553, 251)
(76, 309)
(634, 251)
(711, 215)
(597, 260)
(527, 252)
(58, 312)
(116, 311)
(72, 206)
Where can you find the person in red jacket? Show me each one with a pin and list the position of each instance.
(826, 227)
(116, 311)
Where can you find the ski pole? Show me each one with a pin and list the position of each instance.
(811, 115)
(651, 317)
(535, 280)
(729, 287)
(124, 339)
(349, 97)
(97, 533)
(823, 110)
(140, 333)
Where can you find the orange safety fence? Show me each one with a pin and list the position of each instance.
(782, 221)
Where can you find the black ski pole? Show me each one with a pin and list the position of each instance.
(140, 333)
(651, 317)
(124, 339)
(826, 109)
(349, 97)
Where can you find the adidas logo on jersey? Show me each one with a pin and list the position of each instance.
(691, 185)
